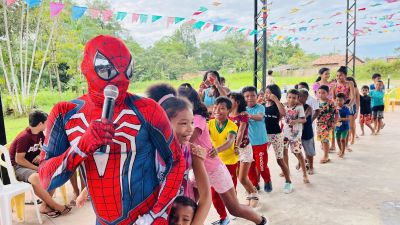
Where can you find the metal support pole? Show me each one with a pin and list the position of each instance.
(264, 52)
(260, 43)
(255, 70)
(351, 34)
(3, 139)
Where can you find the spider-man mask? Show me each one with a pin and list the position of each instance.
(106, 61)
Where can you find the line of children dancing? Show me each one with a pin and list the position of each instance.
(228, 139)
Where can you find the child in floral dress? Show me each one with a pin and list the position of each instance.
(325, 120)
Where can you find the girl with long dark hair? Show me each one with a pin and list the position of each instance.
(323, 79)
(211, 88)
(346, 87)
(224, 193)
(180, 114)
(353, 112)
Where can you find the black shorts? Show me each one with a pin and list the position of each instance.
(377, 111)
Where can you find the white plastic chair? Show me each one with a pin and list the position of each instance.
(13, 189)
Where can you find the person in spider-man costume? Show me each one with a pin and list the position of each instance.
(123, 181)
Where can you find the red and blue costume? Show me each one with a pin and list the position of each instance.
(123, 181)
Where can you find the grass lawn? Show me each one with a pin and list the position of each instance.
(46, 100)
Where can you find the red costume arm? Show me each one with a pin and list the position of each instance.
(59, 158)
(65, 149)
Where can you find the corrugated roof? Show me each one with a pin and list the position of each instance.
(333, 60)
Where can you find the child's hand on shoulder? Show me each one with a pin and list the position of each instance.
(198, 151)
(237, 150)
(213, 153)
(245, 113)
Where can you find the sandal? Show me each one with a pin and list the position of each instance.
(248, 199)
(254, 200)
(72, 203)
(57, 213)
(32, 203)
(323, 161)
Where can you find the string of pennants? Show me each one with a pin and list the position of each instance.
(79, 11)
(106, 15)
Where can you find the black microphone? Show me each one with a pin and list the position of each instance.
(110, 95)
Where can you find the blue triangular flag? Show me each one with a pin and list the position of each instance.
(121, 16)
(217, 28)
(33, 3)
(78, 11)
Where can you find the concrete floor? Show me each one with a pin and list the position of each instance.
(362, 189)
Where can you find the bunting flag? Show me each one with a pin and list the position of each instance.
(200, 11)
(308, 3)
(154, 18)
(198, 25)
(143, 18)
(294, 10)
(179, 19)
(217, 28)
(135, 17)
(55, 8)
(336, 14)
(107, 14)
(10, 2)
(207, 26)
(94, 13)
(216, 3)
(192, 21)
(78, 11)
(121, 16)
(170, 20)
(33, 3)
(248, 33)
(225, 29)
(303, 29)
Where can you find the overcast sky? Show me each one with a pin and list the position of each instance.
(239, 13)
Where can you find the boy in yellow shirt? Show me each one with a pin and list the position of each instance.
(223, 134)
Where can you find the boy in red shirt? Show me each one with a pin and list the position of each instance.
(25, 156)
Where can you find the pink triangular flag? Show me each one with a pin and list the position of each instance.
(107, 14)
(94, 13)
(135, 17)
(248, 33)
(206, 26)
(170, 20)
(192, 21)
(225, 29)
(55, 8)
(10, 2)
